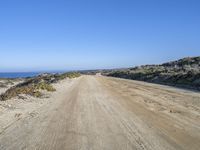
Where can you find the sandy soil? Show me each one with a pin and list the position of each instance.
(94, 112)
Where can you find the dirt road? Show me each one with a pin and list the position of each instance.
(100, 113)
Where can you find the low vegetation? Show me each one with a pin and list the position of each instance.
(182, 73)
(33, 86)
(66, 75)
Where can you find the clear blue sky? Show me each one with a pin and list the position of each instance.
(87, 34)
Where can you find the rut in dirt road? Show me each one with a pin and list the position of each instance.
(101, 113)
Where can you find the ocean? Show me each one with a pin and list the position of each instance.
(26, 74)
(18, 74)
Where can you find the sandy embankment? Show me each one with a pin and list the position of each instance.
(17, 108)
(6, 84)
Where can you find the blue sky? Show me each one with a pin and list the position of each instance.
(87, 34)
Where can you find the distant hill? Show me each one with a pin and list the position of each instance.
(182, 73)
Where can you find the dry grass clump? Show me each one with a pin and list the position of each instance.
(27, 89)
(15, 91)
(45, 86)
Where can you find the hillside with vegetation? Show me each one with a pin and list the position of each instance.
(181, 73)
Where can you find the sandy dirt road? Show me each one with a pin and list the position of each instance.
(101, 113)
